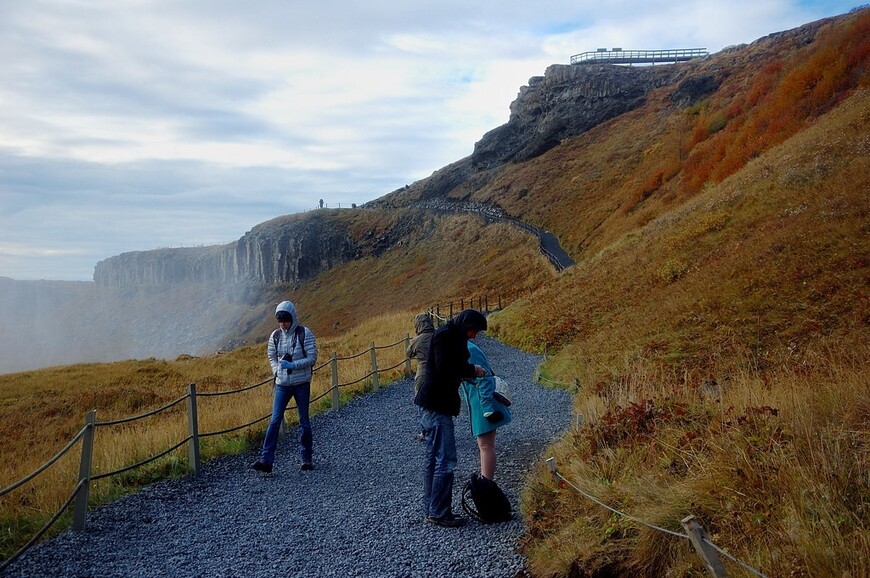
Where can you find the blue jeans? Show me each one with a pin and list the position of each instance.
(283, 394)
(438, 464)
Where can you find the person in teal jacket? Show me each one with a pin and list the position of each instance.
(487, 414)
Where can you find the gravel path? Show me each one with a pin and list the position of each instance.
(359, 513)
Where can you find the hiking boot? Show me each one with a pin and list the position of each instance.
(307, 466)
(449, 521)
(262, 467)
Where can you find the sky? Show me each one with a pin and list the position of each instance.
(131, 125)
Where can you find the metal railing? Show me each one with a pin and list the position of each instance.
(620, 56)
(81, 492)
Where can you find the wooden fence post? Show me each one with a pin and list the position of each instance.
(334, 368)
(451, 310)
(407, 359)
(486, 301)
(80, 513)
(375, 382)
(193, 427)
(551, 464)
(697, 535)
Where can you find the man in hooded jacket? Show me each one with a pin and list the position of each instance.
(447, 365)
(292, 353)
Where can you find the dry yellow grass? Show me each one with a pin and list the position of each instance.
(774, 466)
(43, 410)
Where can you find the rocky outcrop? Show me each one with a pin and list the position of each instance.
(283, 250)
(568, 100)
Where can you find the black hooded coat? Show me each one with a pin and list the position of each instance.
(448, 364)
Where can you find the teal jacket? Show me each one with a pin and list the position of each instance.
(477, 394)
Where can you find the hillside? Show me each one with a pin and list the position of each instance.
(716, 320)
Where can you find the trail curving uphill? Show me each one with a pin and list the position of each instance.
(358, 513)
(548, 242)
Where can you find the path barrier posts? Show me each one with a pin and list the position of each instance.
(695, 533)
(80, 494)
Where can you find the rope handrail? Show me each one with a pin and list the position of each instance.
(321, 366)
(743, 565)
(554, 382)
(142, 415)
(319, 397)
(568, 482)
(142, 463)
(236, 428)
(615, 511)
(46, 465)
(229, 391)
(399, 342)
(381, 370)
(360, 354)
(366, 376)
(45, 528)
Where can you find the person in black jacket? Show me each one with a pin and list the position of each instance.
(446, 367)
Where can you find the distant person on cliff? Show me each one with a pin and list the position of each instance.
(487, 414)
(419, 351)
(446, 367)
(292, 352)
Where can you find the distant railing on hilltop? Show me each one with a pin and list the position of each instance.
(620, 56)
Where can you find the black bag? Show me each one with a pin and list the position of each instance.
(484, 501)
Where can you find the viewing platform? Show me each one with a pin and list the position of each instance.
(620, 56)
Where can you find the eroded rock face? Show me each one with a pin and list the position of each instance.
(568, 100)
(283, 250)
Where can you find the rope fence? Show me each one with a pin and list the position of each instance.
(78, 499)
(695, 533)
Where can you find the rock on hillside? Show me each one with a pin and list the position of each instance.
(284, 250)
(568, 100)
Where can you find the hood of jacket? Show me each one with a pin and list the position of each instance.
(291, 309)
(423, 324)
(469, 319)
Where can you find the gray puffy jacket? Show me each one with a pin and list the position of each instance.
(282, 342)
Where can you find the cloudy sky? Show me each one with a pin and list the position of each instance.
(132, 125)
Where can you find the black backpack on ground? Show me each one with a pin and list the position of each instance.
(485, 501)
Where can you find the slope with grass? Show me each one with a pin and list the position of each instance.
(716, 319)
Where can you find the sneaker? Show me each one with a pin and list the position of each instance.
(262, 467)
(449, 521)
(421, 436)
(307, 466)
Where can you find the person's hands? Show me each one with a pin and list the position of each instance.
(494, 417)
(288, 365)
(479, 371)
